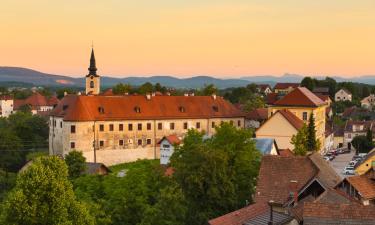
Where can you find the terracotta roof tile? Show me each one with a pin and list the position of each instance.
(285, 152)
(240, 216)
(364, 185)
(292, 119)
(271, 98)
(257, 114)
(86, 108)
(300, 96)
(172, 139)
(286, 85)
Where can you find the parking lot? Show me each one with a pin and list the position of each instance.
(341, 161)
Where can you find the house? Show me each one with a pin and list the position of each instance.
(96, 169)
(338, 137)
(288, 183)
(167, 145)
(38, 103)
(267, 146)
(124, 128)
(368, 102)
(285, 88)
(329, 142)
(302, 102)
(264, 89)
(256, 117)
(361, 187)
(321, 91)
(281, 126)
(324, 98)
(337, 214)
(355, 128)
(6, 105)
(343, 95)
(271, 98)
(367, 163)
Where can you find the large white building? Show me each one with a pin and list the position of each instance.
(114, 129)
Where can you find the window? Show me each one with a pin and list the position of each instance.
(72, 145)
(160, 126)
(54, 123)
(213, 124)
(110, 127)
(121, 142)
(239, 123)
(130, 127)
(91, 84)
(166, 146)
(73, 129)
(148, 126)
(185, 126)
(139, 126)
(101, 127)
(139, 142)
(60, 124)
(100, 110)
(181, 109)
(215, 108)
(171, 126)
(137, 109)
(231, 122)
(101, 143)
(198, 125)
(121, 127)
(304, 116)
(148, 141)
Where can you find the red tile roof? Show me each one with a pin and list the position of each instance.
(172, 139)
(364, 185)
(36, 100)
(292, 119)
(286, 85)
(6, 97)
(300, 96)
(285, 152)
(323, 97)
(240, 216)
(107, 92)
(263, 87)
(271, 98)
(338, 211)
(257, 114)
(86, 108)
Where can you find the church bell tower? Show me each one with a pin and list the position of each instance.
(92, 79)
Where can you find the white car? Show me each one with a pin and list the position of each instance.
(352, 163)
(349, 170)
(363, 155)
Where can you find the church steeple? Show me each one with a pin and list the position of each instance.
(92, 69)
(92, 79)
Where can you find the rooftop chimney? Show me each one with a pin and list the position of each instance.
(186, 94)
(214, 96)
(65, 93)
(270, 203)
(293, 190)
(148, 96)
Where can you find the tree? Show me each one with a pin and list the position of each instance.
(308, 82)
(312, 143)
(216, 175)
(369, 137)
(121, 89)
(361, 144)
(44, 195)
(253, 102)
(365, 91)
(300, 141)
(209, 90)
(12, 158)
(146, 88)
(76, 163)
(61, 92)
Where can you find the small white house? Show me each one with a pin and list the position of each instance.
(343, 95)
(6, 106)
(368, 102)
(167, 145)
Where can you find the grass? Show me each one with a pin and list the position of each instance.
(133, 165)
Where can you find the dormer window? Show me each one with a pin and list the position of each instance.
(181, 109)
(137, 109)
(101, 110)
(92, 84)
(215, 108)
(65, 107)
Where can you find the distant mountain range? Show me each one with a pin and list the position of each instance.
(24, 76)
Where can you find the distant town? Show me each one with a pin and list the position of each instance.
(290, 153)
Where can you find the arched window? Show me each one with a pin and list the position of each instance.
(91, 84)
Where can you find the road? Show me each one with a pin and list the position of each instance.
(341, 161)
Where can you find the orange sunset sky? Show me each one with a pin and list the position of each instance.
(190, 37)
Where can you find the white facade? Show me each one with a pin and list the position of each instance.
(368, 102)
(6, 106)
(166, 151)
(343, 95)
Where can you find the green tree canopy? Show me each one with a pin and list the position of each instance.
(300, 141)
(362, 144)
(146, 88)
(309, 83)
(208, 90)
(121, 89)
(76, 163)
(44, 195)
(312, 143)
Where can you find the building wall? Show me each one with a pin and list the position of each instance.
(107, 144)
(6, 107)
(337, 140)
(96, 89)
(365, 166)
(166, 151)
(319, 115)
(341, 95)
(282, 135)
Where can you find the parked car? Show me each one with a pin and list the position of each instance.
(330, 155)
(326, 158)
(346, 150)
(363, 155)
(349, 170)
(334, 152)
(356, 157)
(352, 163)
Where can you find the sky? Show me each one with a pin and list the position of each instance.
(185, 38)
